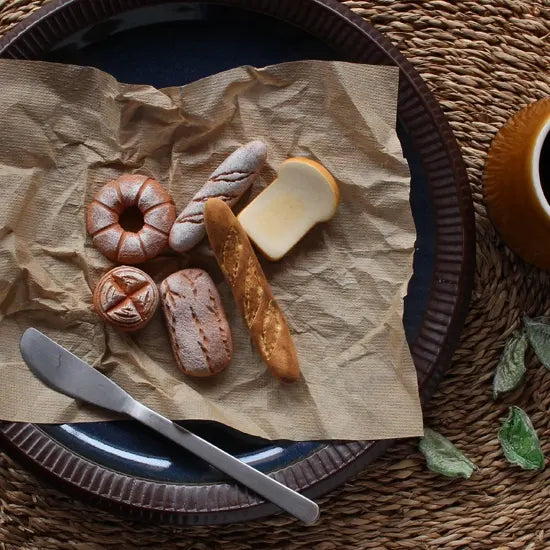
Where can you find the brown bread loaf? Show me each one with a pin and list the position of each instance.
(197, 326)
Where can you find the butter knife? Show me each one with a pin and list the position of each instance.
(65, 373)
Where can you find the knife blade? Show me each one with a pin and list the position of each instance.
(65, 373)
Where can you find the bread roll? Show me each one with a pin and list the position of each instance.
(228, 182)
(262, 315)
(197, 326)
(126, 298)
(155, 213)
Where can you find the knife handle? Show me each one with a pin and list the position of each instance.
(289, 500)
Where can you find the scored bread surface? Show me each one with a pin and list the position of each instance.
(228, 182)
(252, 293)
(103, 217)
(199, 332)
(126, 298)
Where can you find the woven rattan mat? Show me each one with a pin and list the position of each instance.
(483, 59)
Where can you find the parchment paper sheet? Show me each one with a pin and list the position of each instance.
(65, 131)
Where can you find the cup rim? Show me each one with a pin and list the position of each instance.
(543, 134)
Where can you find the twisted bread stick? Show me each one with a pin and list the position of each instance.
(228, 182)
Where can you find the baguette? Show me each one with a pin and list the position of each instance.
(251, 291)
(228, 182)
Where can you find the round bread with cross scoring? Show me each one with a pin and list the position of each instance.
(126, 298)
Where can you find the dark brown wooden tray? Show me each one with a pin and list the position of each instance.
(439, 327)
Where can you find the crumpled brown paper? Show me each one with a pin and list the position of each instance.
(65, 130)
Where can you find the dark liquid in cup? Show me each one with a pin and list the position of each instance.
(544, 167)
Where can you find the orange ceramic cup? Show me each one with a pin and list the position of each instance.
(517, 183)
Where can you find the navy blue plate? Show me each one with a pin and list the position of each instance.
(174, 44)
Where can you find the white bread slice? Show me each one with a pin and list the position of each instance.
(304, 194)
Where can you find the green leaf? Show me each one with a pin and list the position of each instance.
(538, 332)
(443, 457)
(511, 367)
(520, 442)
